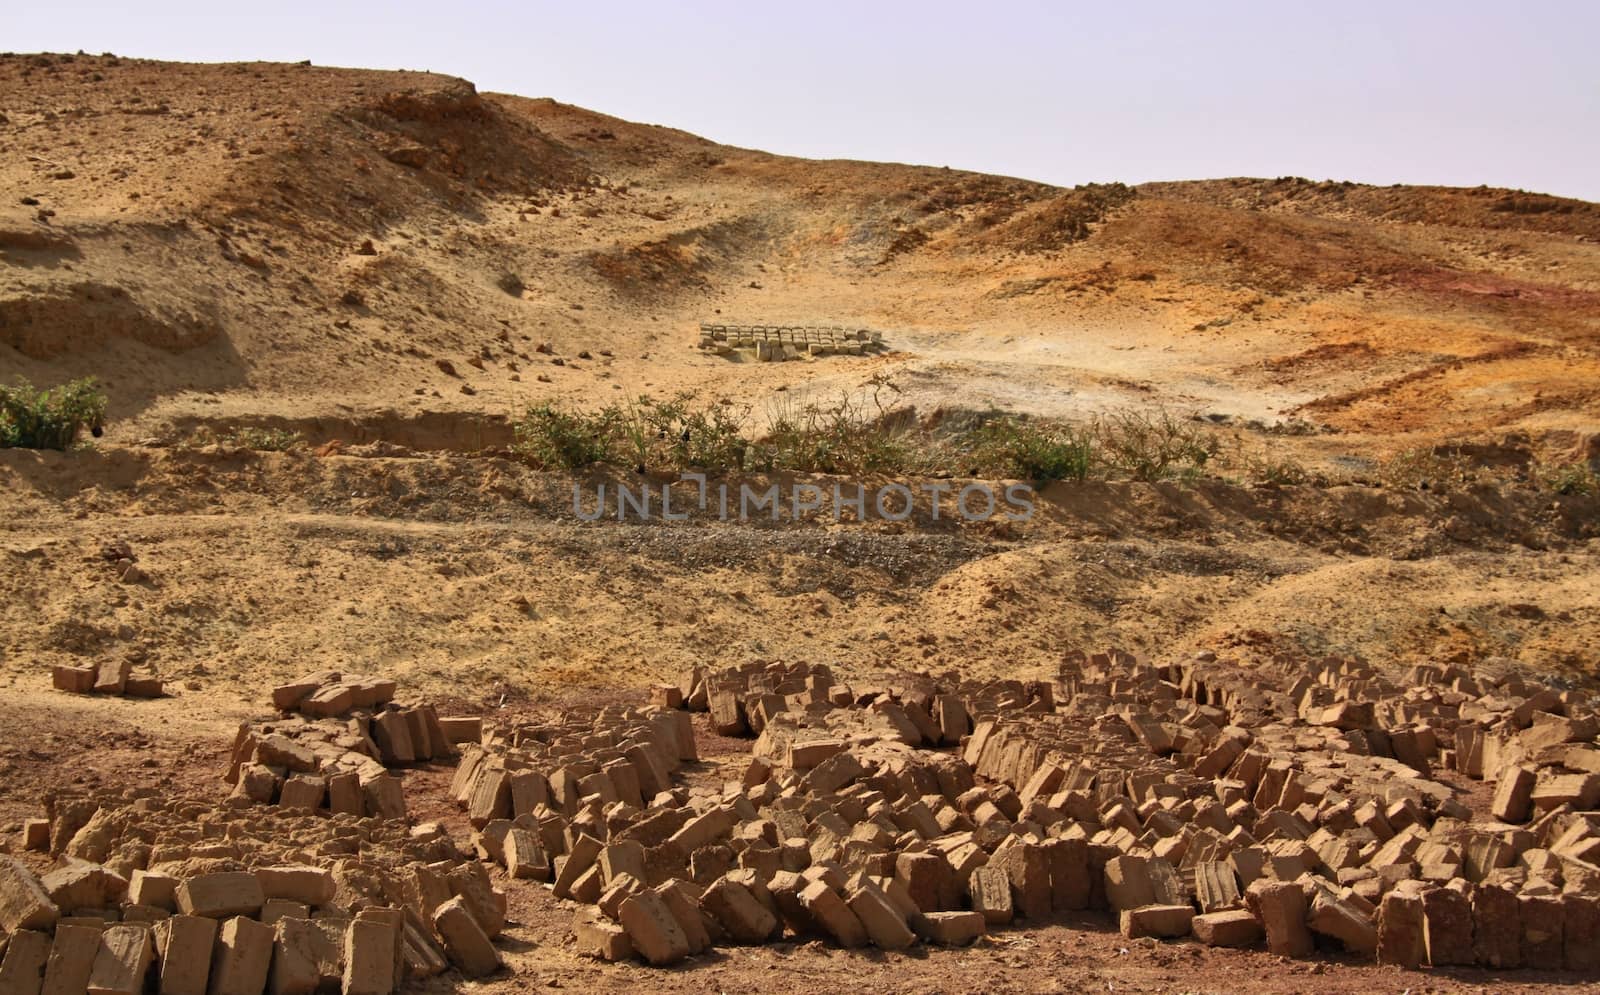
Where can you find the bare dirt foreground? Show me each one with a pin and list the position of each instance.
(390, 267)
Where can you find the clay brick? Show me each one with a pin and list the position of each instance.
(241, 957)
(184, 944)
(122, 961)
(464, 940)
(1513, 796)
(745, 919)
(72, 954)
(459, 730)
(1281, 906)
(23, 901)
(1229, 928)
(525, 855)
(653, 929)
(156, 890)
(295, 966)
(1447, 927)
(1128, 883)
(991, 894)
(383, 797)
(1166, 921)
(76, 680)
(1347, 922)
(950, 929)
(1543, 932)
(1070, 878)
(221, 895)
(1581, 932)
(1496, 927)
(585, 851)
(599, 937)
(686, 910)
(884, 924)
(1215, 886)
(111, 677)
(1029, 872)
(22, 969)
(833, 915)
(369, 958)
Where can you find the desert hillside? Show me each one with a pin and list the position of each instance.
(318, 299)
(294, 242)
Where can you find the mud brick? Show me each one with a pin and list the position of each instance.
(310, 886)
(929, 880)
(304, 791)
(369, 958)
(241, 957)
(652, 928)
(1070, 878)
(155, 890)
(832, 915)
(72, 955)
(36, 834)
(1229, 928)
(329, 701)
(221, 895)
(393, 735)
(465, 942)
(24, 904)
(82, 885)
(804, 756)
(623, 857)
(287, 696)
(744, 918)
(785, 888)
(651, 770)
(1513, 796)
(951, 714)
(282, 908)
(703, 830)
(1543, 932)
(22, 969)
(1348, 922)
(950, 929)
(1581, 791)
(1496, 927)
(1221, 757)
(77, 680)
(1216, 888)
(296, 966)
(833, 774)
(1581, 932)
(122, 961)
(143, 686)
(1281, 906)
(460, 730)
(383, 797)
(111, 677)
(491, 797)
(599, 937)
(1166, 921)
(471, 882)
(529, 790)
(990, 888)
(184, 944)
(525, 855)
(885, 926)
(686, 911)
(1447, 927)
(585, 851)
(1028, 869)
(344, 794)
(1128, 883)
(727, 712)
(423, 957)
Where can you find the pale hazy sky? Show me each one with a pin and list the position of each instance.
(1457, 93)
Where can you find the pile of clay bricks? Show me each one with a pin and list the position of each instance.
(776, 343)
(189, 897)
(1289, 804)
(110, 677)
(334, 744)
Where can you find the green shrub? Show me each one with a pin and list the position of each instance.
(1154, 446)
(1039, 451)
(277, 440)
(554, 439)
(1567, 478)
(858, 433)
(50, 419)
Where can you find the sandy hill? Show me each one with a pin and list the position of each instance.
(291, 242)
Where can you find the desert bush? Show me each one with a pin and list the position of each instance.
(1566, 478)
(555, 439)
(276, 440)
(50, 419)
(1153, 446)
(861, 432)
(1426, 469)
(1028, 449)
